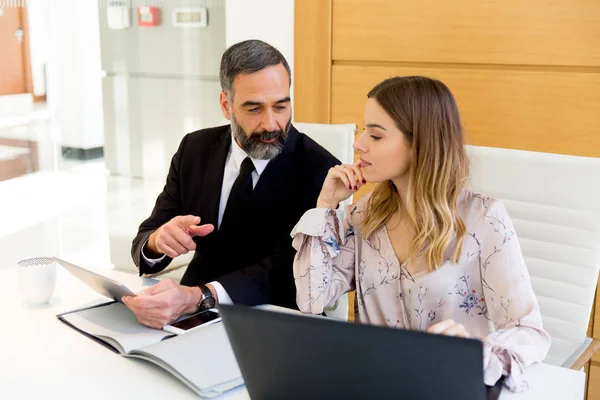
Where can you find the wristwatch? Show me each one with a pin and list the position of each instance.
(207, 301)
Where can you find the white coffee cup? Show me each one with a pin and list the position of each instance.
(37, 279)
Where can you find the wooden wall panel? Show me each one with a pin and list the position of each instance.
(593, 391)
(312, 61)
(542, 32)
(27, 70)
(554, 112)
(586, 370)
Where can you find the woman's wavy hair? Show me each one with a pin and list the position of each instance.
(425, 111)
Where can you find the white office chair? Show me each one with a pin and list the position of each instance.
(335, 138)
(338, 140)
(553, 202)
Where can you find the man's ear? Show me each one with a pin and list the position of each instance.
(224, 101)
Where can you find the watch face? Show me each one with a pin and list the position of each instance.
(208, 303)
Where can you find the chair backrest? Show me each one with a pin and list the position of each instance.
(335, 138)
(338, 140)
(553, 201)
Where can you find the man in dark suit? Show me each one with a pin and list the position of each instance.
(248, 182)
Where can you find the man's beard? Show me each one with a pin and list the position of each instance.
(252, 144)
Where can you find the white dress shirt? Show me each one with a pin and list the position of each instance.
(235, 157)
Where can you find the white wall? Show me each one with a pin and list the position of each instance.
(74, 81)
(66, 36)
(38, 12)
(271, 21)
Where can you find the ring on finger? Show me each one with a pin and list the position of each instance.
(342, 167)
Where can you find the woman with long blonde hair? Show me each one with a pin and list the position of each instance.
(422, 251)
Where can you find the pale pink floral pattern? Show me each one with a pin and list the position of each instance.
(488, 291)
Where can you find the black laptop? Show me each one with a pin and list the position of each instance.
(292, 356)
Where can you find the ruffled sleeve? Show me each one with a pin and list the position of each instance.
(324, 264)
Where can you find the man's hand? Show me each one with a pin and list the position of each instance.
(449, 328)
(163, 303)
(175, 237)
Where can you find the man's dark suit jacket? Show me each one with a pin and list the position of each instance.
(253, 262)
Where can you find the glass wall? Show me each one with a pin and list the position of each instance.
(107, 90)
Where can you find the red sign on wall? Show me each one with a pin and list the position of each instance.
(148, 16)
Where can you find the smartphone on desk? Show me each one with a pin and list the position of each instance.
(190, 322)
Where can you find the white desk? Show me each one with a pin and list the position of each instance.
(40, 357)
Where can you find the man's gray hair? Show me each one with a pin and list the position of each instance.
(248, 57)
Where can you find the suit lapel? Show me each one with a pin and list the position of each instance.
(213, 179)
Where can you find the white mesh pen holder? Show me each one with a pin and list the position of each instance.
(37, 279)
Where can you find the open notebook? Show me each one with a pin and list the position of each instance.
(116, 326)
